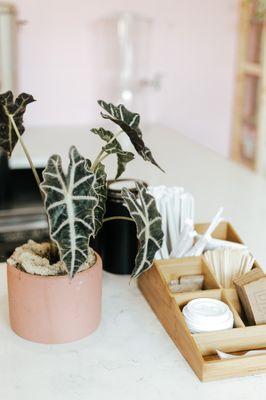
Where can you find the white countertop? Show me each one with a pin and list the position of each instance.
(130, 356)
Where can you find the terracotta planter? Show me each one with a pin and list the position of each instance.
(55, 309)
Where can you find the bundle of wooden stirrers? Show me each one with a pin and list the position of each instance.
(228, 263)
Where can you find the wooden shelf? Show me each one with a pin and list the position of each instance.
(250, 95)
(251, 68)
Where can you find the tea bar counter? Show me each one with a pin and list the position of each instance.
(130, 355)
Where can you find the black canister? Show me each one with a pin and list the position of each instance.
(117, 241)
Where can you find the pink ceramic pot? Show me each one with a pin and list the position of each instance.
(55, 309)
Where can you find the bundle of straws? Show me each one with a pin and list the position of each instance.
(177, 210)
(181, 240)
(228, 263)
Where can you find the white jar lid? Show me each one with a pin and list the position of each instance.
(207, 314)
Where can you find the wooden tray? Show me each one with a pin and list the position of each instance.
(200, 349)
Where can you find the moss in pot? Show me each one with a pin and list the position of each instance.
(55, 288)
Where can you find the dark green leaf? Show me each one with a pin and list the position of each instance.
(104, 134)
(113, 147)
(149, 227)
(123, 158)
(70, 201)
(8, 137)
(129, 123)
(101, 192)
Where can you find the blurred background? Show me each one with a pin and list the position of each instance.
(194, 67)
(174, 60)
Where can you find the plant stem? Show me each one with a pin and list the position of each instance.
(103, 157)
(115, 136)
(99, 158)
(36, 176)
(117, 217)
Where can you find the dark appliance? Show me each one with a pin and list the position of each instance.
(22, 214)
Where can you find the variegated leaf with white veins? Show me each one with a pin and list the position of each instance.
(15, 109)
(114, 147)
(100, 188)
(149, 226)
(70, 201)
(129, 123)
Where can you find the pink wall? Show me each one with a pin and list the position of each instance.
(193, 46)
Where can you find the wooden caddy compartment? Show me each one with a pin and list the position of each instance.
(200, 349)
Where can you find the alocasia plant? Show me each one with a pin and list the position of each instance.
(11, 119)
(129, 123)
(149, 226)
(100, 189)
(69, 201)
(75, 202)
(114, 147)
(11, 124)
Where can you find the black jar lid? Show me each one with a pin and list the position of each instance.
(114, 187)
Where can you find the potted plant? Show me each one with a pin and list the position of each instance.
(54, 288)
